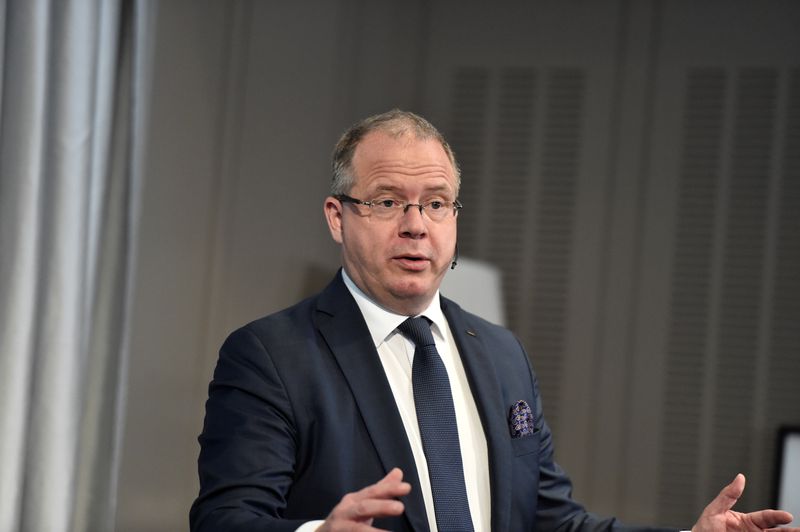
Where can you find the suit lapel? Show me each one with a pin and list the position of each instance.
(488, 396)
(341, 324)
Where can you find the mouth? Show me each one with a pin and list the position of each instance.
(412, 261)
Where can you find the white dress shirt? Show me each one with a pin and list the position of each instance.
(396, 353)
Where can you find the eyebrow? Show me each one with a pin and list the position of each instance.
(386, 188)
(395, 189)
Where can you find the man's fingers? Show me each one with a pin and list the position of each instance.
(370, 508)
(357, 510)
(396, 474)
(727, 497)
(388, 487)
(718, 515)
(770, 518)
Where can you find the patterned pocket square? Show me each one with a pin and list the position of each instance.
(520, 420)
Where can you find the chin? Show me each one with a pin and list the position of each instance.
(413, 293)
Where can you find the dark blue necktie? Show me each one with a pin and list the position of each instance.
(436, 417)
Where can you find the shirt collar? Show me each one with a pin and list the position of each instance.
(382, 323)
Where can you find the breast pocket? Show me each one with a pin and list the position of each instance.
(526, 444)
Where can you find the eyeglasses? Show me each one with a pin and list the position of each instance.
(390, 208)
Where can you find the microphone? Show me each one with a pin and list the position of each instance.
(455, 259)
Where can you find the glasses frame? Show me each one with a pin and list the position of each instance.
(344, 198)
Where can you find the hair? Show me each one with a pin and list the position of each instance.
(396, 124)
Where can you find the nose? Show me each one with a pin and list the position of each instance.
(412, 223)
(417, 206)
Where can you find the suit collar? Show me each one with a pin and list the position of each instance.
(341, 324)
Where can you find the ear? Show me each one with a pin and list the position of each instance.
(333, 215)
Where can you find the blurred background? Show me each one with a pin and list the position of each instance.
(631, 168)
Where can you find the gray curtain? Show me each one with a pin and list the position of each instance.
(72, 76)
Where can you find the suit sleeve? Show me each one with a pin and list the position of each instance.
(247, 447)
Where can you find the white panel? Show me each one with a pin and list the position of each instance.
(789, 487)
(475, 285)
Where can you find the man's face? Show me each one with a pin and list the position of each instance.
(399, 262)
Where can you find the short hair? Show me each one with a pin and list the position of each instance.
(395, 123)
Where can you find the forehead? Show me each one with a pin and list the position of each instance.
(381, 160)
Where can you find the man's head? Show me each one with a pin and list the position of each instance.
(395, 123)
(397, 257)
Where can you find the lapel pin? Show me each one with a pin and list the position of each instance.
(471, 332)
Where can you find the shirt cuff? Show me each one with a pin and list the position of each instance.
(310, 526)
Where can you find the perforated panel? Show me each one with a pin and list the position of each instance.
(742, 274)
(503, 224)
(554, 220)
(783, 399)
(691, 291)
(717, 316)
(511, 181)
(468, 137)
(705, 146)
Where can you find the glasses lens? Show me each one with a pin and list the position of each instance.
(437, 210)
(386, 208)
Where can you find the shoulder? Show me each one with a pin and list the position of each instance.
(276, 349)
(285, 326)
(459, 316)
(499, 344)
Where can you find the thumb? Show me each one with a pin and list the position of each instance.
(727, 497)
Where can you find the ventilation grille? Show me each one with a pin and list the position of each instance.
(554, 221)
(783, 399)
(468, 138)
(734, 304)
(742, 275)
(719, 328)
(523, 198)
(511, 182)
(691, 291)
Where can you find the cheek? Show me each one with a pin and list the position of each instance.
(363, 246)
(446, 241)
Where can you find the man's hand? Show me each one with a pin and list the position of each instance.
(718, 516)
(356, 511)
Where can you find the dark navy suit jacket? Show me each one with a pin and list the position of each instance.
(300, 413)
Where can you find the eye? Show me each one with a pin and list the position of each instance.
(435, 204)
(386, 203)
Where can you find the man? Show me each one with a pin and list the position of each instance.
(319, 417)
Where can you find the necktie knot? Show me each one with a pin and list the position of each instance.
(418, 330)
